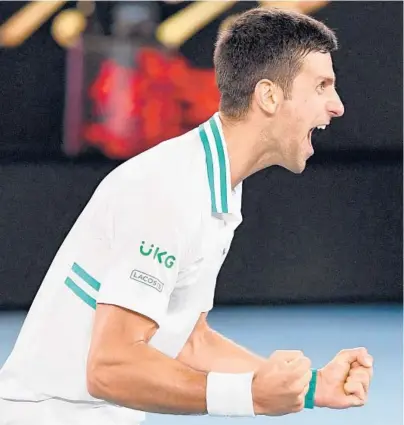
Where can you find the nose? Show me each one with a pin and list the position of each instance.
(336, 107)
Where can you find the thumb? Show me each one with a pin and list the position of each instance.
(365, 359)
(359, 355)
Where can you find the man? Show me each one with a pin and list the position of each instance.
(118, 326)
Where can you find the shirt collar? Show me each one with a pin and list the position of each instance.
(218, 167)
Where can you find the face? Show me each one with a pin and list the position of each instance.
(313, 102)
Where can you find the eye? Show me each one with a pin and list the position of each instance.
(321, 87)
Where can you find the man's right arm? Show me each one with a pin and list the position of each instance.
(124, 369)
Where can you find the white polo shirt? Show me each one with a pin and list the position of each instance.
(152, 239)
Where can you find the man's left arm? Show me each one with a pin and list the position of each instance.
(342, 383)
(209, 351)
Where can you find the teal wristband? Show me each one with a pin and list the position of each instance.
(309, 400)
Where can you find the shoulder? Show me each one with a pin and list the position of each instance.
(167, 183)
(167, 163)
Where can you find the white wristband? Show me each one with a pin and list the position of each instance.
(229, 394)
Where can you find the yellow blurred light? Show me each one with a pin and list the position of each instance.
(26, 21)
(67, 27)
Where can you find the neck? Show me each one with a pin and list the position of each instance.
(247, 148)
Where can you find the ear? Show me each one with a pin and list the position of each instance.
(267, 96)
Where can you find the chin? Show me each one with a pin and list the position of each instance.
(296, 168)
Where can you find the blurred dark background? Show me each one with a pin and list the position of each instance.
(332, 234)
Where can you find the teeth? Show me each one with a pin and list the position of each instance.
(321, 127)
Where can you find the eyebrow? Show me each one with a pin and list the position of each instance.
(328, 80)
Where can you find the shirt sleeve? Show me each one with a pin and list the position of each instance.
(147, 243)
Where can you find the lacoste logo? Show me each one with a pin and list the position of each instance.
(158, 254)
(147, 280)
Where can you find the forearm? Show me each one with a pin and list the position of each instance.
(145, 379)
(214, 352)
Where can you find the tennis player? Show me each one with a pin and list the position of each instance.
(119, 325)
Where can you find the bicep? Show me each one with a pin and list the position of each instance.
(115, 329)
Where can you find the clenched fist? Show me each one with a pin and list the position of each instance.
(281, 384)
(345, 381)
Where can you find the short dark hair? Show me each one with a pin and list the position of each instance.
(265, 43)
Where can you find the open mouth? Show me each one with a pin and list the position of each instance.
(318, 127)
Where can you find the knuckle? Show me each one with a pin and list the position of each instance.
(300, 399)
(296, 389)
(351, 385)
(347, 383)
(299, 405)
